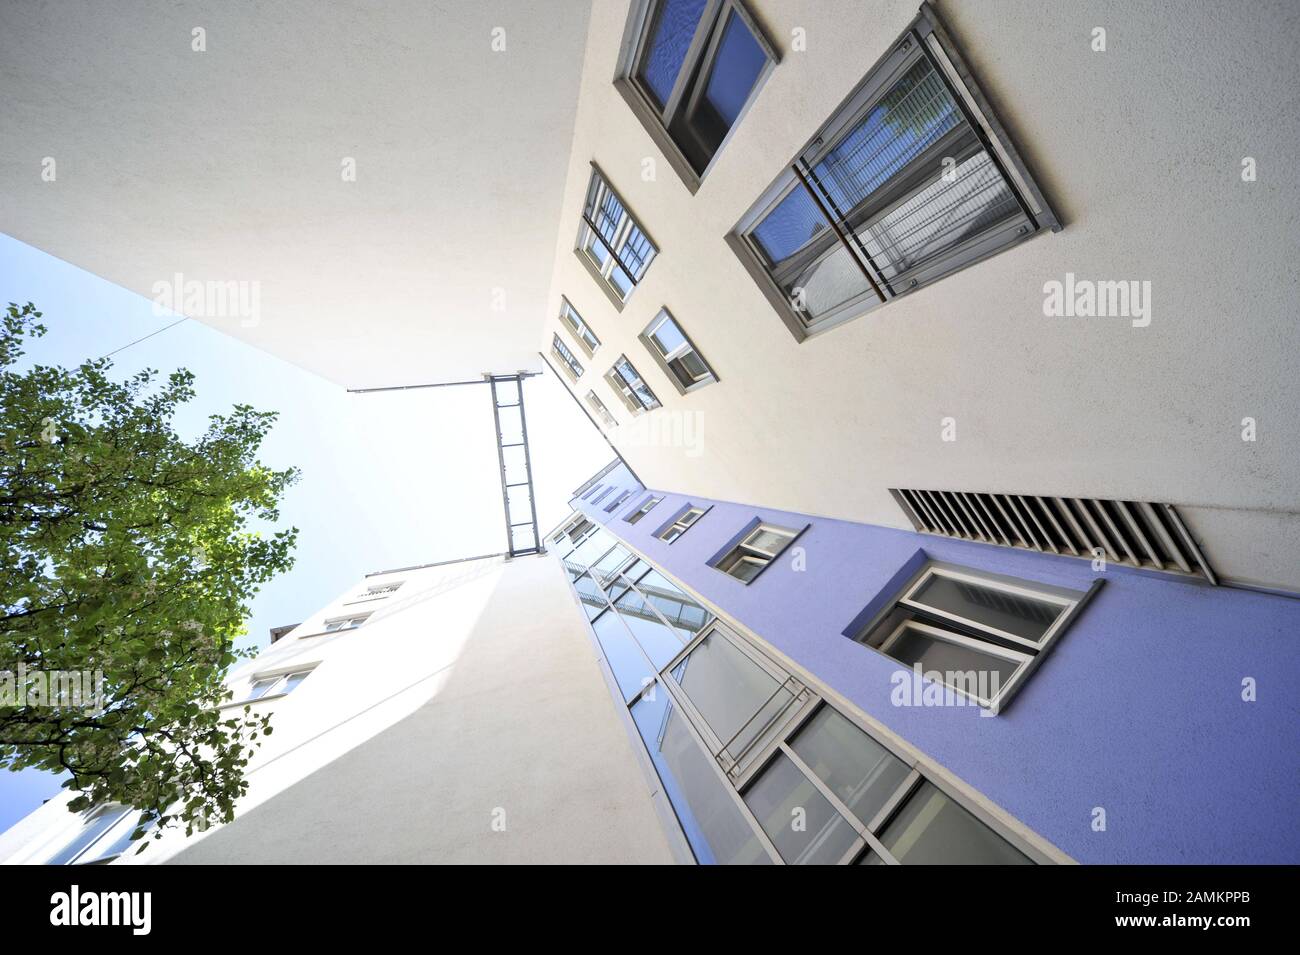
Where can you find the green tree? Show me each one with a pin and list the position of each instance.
(131, 552)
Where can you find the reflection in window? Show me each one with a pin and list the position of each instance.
(859, 771)
(805, 828)
(931, 829)
(714, 825)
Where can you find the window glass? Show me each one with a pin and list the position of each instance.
(736, 697)
(862, 773)
(667, 336)
(674, 27)
(931, 829)
(629, 664)
(292, 680)
(99, 823)
(593, 600)
(735, 71)
(261, 687)
(991, 606)
(915, 646)
(660, 642)
(802, 824)
(714, 825)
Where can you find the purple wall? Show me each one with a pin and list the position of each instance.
(1138, 708)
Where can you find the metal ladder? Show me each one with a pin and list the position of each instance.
(518, 540)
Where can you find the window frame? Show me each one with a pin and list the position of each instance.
(589, 233)
(677, 522)
(743, 551)
(903, 611)
(277, 680)
(648, 505)
(699, 60)
(614, 505)
(376, 592)
(578, 328)
(606, 416)
(572, 367)
(924, 39)
(665, 359)
(357, 620)
(627, 392)
(780, 734)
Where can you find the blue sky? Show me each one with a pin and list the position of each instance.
(388, 479)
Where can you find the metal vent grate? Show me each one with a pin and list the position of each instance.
(1134, 533)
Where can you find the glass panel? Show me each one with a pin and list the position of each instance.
(122, 843)
(674, 27)
(735, 70)
(939, 217)
(770, 541)
(292, 680)
(591, 548)
(593, 601)
(689, 368)
(260, 687)
(802, 824)
(790, 226)
(913, 115)
(660, 642)
(745, 568)
(611, 562)
(1022, 616)
(628, 663)
(914, 646)
(714, 825)
(95, 827)
(736, 697)
(861, 772)
(931, 829)
(829, 282)
(667, 336)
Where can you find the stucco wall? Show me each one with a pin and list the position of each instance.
(1140, 150)
(471, 696)
(1138, 709)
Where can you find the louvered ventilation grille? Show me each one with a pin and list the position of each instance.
(1135, 533)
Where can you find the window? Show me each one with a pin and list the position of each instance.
(585, 337)
(601, 496)
(688, 71)
(612, 506)
(979, 634)
(909, 181)
(682, 524)
(740, 742)
(280, 684)
(592, 490)
(92, 842)
(625, 381)
(610, 242)
(602, 412)
(646, 507)
(675, 353)
(377, 592)
(755, 551)
(345, 623)
(561, 351)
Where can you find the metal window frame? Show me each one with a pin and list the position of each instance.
(701, 55)
(578, 328)
(973, 633)
(648, 505)
(589, 234)
(572, 367)
(86, 855)
(744, 551)
(377, 592)
(665, 359)
(681, 522)
(598, 406)
(925, 37)
(920, 768)
(626, 390)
